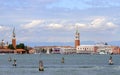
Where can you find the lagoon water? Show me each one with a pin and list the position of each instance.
(74, 64)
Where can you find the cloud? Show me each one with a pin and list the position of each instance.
(102, 3)
(4, 28)
(32, 24)
(111, 25)
(81, 25)
(54, 26)
(97, 24)
(102, 23)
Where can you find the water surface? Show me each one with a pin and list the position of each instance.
(74, 64)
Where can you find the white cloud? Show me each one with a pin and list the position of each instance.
(97, 23)
(2, 28)
(55, 26)
(102, 23)
(111, 25)
(81, 25)
(32, 24)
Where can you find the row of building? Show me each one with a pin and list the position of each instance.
(80, 49)
(83, 49)
(102, 48)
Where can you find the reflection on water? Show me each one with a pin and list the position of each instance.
(74, 64)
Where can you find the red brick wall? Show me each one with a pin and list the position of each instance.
(77, 43)
(14, 43)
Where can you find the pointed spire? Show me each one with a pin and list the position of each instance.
(77, 29)
(77, 37)
(14, 32)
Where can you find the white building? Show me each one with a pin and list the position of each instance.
(68, 50)
(104, 49)
(94, 49)
(86, 49)
(56, 50)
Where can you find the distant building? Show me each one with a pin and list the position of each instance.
(104, 49)
(77, 38)
(115, 50)
(14, 39)
(56, 50)
(68, 50)
(19, 51)
(98, 49)
(86, 49)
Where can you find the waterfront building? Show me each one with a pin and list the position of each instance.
(31, 51)
(56, 50)
(3, 45)
(104, 49)
(115, 50)
(43, 49)
(68, 50)
(97, 49)
(19, 51)
(86, 49)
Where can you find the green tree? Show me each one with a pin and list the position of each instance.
(20, 46)
(10, 46)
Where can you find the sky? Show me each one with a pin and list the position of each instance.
(56, 20)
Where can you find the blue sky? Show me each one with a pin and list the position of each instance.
(56, 20)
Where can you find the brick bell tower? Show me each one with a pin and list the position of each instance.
(14, 39)
(77, 38)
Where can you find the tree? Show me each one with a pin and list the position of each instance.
(20, 46)
(10, 46)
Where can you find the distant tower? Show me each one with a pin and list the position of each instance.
(2, 43)
(77, 38)
(14, 39)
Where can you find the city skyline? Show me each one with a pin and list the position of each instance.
(56, 20)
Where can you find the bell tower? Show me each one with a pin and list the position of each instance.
(14, 38)
(77, 38)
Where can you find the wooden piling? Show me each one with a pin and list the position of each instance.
(14, 62)
(41, 67)
(62, 61)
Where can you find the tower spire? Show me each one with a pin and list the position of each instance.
(77, 29)
(14, 32)
(77, 37)
(14, 38)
